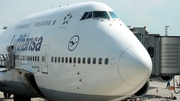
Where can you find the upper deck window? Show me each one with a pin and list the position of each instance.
(113, 15)
(100, 14)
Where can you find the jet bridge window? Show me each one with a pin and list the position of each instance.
(151, 51)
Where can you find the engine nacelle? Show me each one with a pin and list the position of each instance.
(143, 90)
(162, 78)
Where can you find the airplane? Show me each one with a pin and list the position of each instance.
(80, 51)
(1, 31)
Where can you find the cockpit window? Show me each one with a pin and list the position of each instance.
(85, 15)
(113, 15)
(89, 16)
(100, 14)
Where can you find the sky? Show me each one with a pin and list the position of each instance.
(154, 14)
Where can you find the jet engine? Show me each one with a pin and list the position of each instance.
(162, 78)
(143, 90)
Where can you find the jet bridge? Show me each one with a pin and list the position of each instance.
(163, 50)
(7, 60)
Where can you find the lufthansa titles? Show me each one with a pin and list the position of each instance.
(26, 43)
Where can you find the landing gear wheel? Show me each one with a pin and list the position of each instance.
(6, 95)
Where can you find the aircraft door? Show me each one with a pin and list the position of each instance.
(44, 67)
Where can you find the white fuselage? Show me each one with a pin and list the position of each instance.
(77, 59)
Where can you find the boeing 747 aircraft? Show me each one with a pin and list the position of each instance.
(77, 52)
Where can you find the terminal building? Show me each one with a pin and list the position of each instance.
(164, 52)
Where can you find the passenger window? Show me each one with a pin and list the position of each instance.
(70, 60)
(42, 58)
(62, 60)
(84, 60)
(106, 61)
(79, 60)
(74, 60)
(33, 58)
(38, 58)
(89, 60)
(27, 58)
(94, 60)
(55, 59)
(66, 60)
(59, 59)
(100, 60)
(51, 59)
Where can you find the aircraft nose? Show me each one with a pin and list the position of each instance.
(135, 65)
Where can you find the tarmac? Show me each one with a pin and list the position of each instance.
(157, 92)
